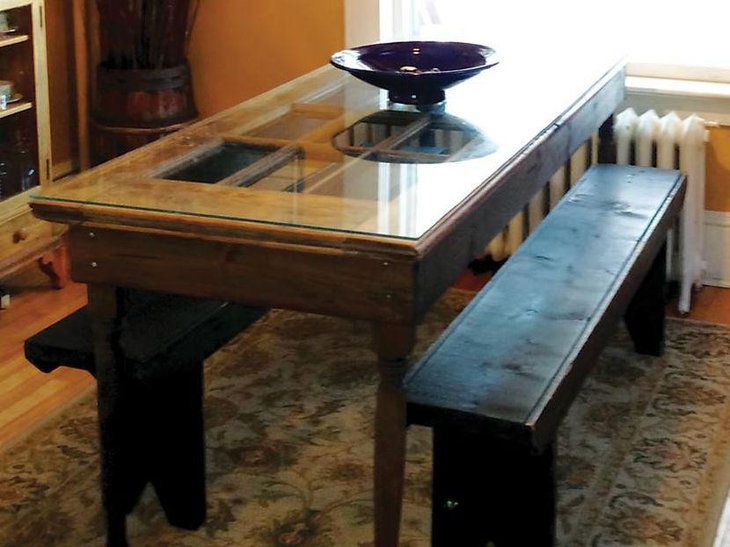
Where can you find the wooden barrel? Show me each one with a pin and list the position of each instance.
(132, 108)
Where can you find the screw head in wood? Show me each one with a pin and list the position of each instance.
(451, 505)
(94, 265)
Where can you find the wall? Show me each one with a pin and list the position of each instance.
(717, 197)
(238, 50)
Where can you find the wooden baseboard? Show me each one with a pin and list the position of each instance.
(64, 169)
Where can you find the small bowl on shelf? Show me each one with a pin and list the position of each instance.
(5, 26)
(7, 93)
(415, 72)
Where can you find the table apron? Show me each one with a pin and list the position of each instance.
(327, 281)
(464, 236)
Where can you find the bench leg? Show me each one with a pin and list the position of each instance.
(175, 444)
(607, 142)
(645, 315)
(485, 491)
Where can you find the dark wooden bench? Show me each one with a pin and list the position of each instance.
(164, 340)
(496, 385)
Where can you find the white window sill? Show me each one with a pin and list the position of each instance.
(684, 88)
(710, 100)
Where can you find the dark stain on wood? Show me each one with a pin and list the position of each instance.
(500, 379)
(152, 421)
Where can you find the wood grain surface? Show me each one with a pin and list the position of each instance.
(512, 362)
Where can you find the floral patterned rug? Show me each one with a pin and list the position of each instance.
(644, 455)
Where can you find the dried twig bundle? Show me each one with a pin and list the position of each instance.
(144, 34)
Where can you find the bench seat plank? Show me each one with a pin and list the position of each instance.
(510, 363)
(159, 335)
(159, 437)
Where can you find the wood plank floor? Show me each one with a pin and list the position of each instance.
(28, 397)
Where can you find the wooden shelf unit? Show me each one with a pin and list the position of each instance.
(25, 154)
(12, 39)
(15, 109)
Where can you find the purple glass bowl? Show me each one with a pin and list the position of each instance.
(415, 72)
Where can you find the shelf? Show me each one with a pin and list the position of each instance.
(15, 108)
(11, 39)
(12, 4)
(23, 60)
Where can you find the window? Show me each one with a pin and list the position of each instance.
(666, 38)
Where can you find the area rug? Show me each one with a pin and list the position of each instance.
(644, 455)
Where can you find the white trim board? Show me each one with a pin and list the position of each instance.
(717, 248)
(710, 100)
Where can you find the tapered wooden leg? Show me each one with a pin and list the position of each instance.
(105, 311)
(645, 315)
(486, 491)
(393, 344)
(175, 444)
(55, 266)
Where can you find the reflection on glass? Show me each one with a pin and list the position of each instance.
(412, 137)
(291, 126)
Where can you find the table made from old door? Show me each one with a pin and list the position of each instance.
(322, 196)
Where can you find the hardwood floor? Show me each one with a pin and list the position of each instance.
(28, 397)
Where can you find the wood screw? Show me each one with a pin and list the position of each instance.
(451, 505)
(92, 235)
(94, 264)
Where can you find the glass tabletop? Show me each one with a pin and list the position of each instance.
(328, 152)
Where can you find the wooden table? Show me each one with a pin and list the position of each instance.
(331, 220)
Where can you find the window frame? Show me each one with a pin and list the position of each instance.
(368, 21)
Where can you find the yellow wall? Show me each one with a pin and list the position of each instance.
(242, 48)
(717, 196)
(239, 49)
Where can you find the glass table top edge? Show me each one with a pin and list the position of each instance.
(400, 203)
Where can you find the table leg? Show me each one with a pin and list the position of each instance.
(393, 344)
(105, 308)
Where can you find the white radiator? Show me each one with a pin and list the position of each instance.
(506, 243)
(647, 140)
(672, 143)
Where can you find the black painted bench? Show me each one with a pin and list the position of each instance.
(496, 385)
(164, 340)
